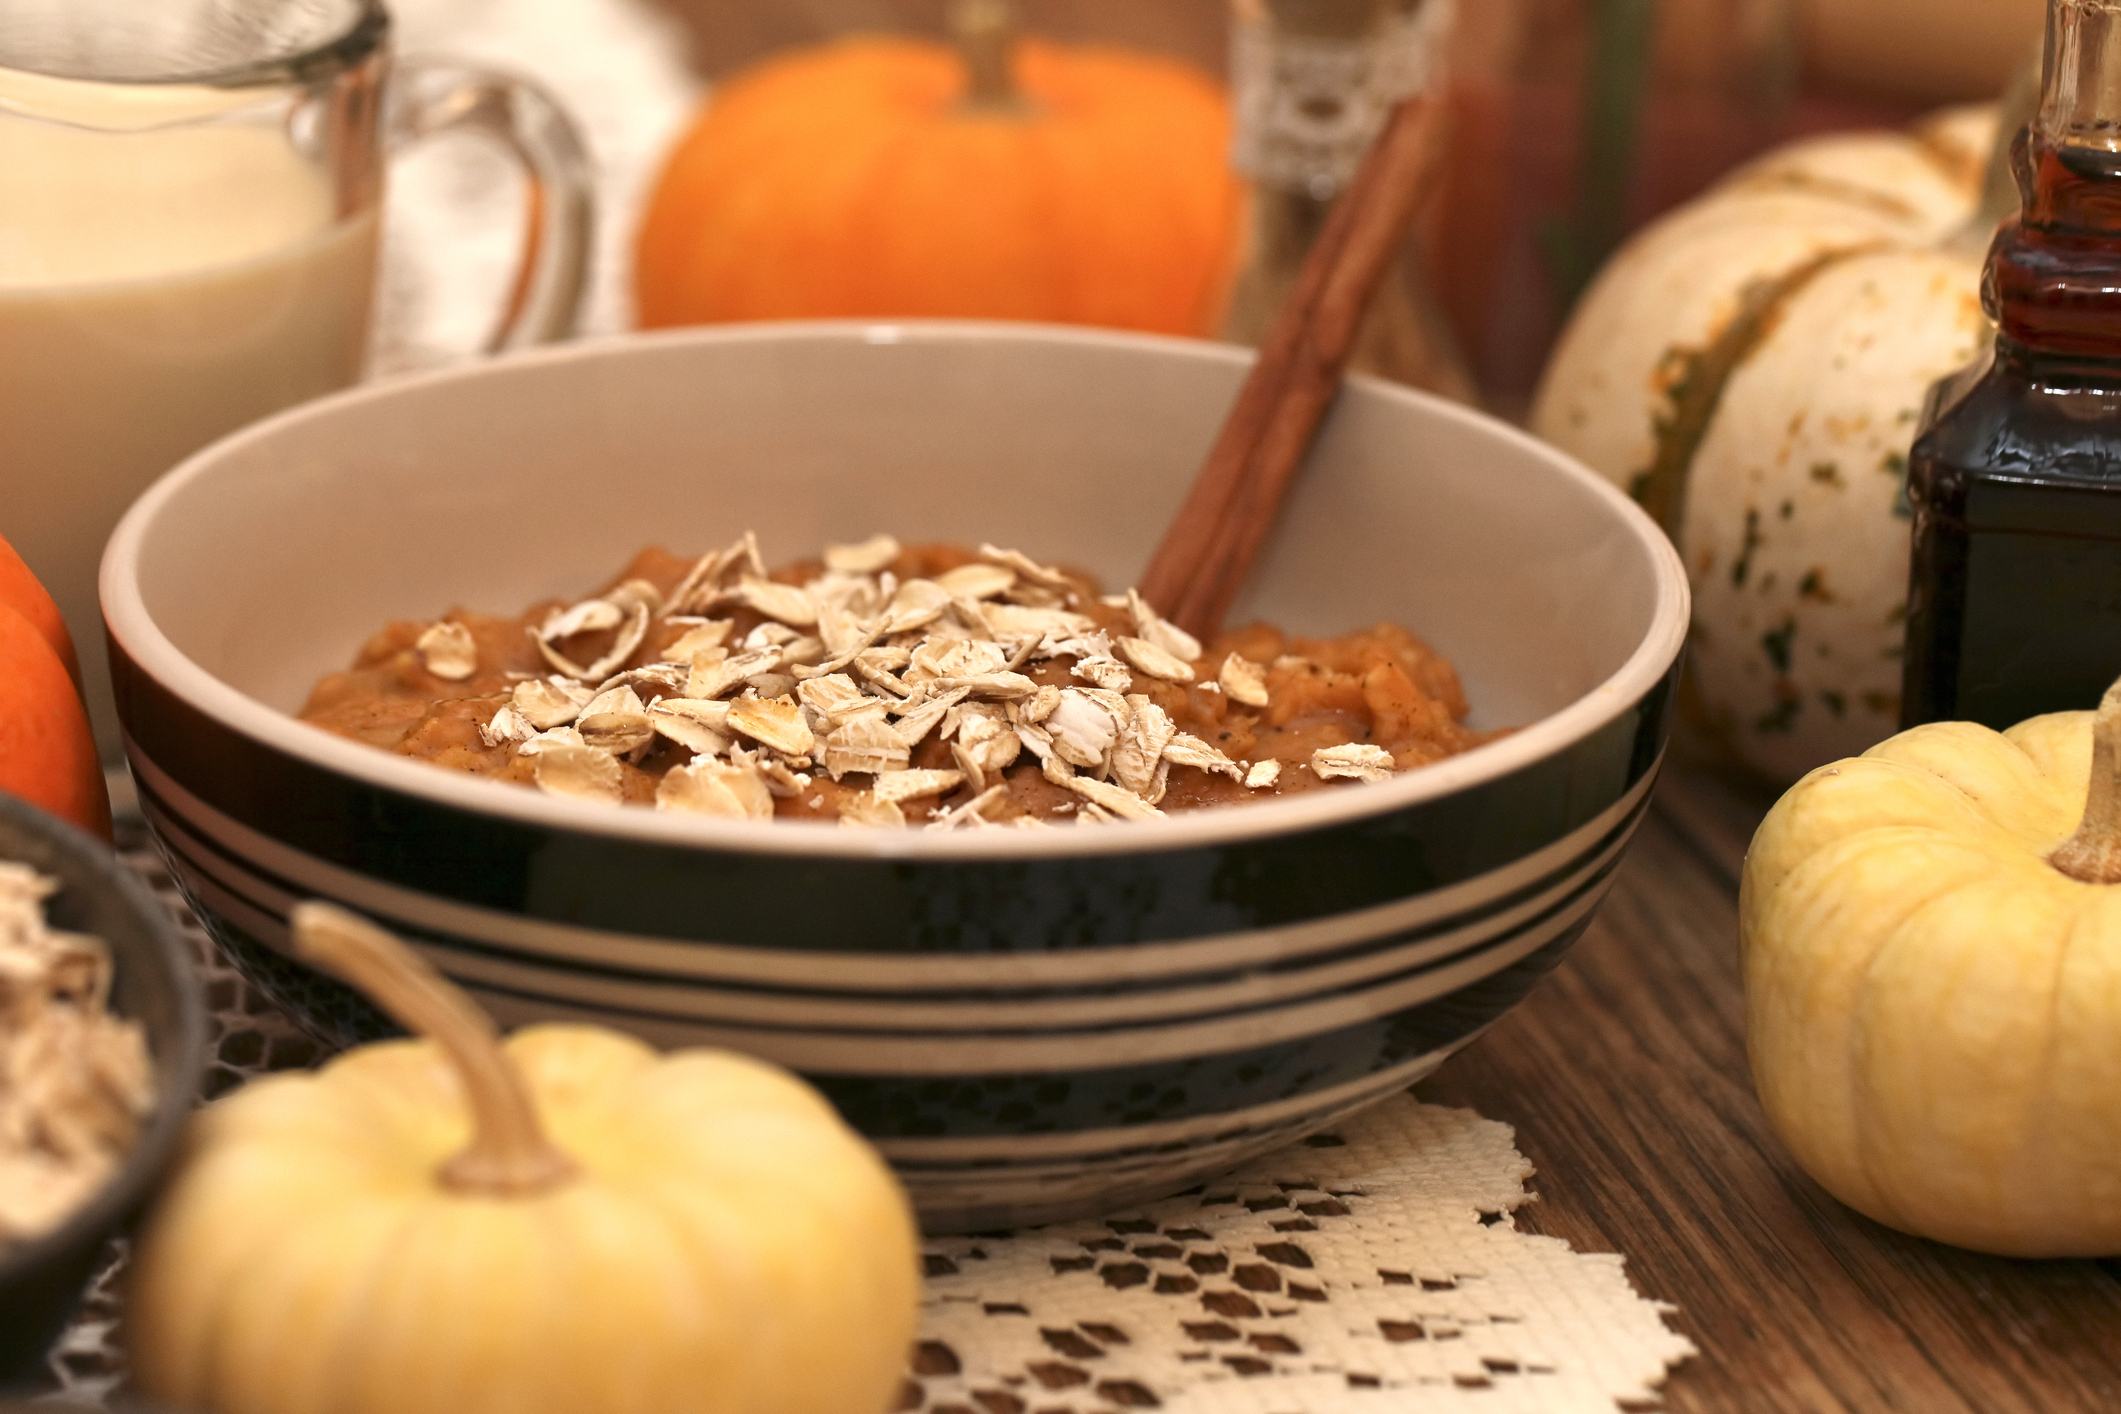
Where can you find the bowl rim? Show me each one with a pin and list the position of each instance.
(128, 620)
(156, 1144)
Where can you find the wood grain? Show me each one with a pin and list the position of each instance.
(1626, 1077)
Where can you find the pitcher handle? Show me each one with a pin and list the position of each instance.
(431, 96)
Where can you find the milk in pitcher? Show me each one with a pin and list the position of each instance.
(159, 286)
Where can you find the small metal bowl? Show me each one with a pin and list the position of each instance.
(154, 983)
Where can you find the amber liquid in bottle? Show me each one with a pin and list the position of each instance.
(2014, 604)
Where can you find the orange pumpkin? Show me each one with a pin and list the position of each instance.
(20, 591)
(47, 754)
(874, 177)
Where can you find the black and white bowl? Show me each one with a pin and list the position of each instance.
(1029, 1023)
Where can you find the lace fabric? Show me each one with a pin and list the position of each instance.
(1307, 106)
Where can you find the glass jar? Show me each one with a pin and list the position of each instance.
(1312, 82)
(2014, 602)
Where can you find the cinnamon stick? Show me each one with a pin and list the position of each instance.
(1208, 550)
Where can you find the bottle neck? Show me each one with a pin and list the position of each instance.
(2053, 283)
(2080, 96)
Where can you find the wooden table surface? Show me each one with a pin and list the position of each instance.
(1625, 1075)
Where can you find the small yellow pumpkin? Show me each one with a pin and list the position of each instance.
(396, 1234)
(1931, 941)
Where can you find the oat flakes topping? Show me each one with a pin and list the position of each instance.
(1244, 680)
(866, 557)
(1113, 799)
(1154, 661)
(974, 811)
(977, 581)
(585, 617)
(508, 725)
(984, 749)
(852, 672)
(865, 743)
(842, 633)
(896, 787)
(780, 780)
(864, 810)
(955, 658)
(1355, 761)
(773, 722)
(1083, 728)
(1187, 750)
(669, 677)
(700, 727)
(699, 586)
(448, 651)
(918, 603)
(578, 770)
(1001, 686)
(713, 675)
(1029, 620)
(926, 714)
(1027, 567)
(1140, 746)
(716, 788)
(1160, 631)
(836, 699)
(1041, 705)
(616, 721)
(1104, 670)
(699, 636)
(549, 702)
(783, 602)
(592, 614)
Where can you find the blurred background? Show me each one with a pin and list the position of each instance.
(1578, 119)
(1576, 122)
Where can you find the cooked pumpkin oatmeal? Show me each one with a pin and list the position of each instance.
(892, 685)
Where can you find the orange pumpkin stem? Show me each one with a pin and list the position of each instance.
(2093, 854)
(986, 32)
(509, 1155)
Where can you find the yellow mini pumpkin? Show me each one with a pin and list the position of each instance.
(1751, 367)
(1931, 942)
(883, 176)
(396, 1234)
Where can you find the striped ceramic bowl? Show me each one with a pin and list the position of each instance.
(1029, 1024)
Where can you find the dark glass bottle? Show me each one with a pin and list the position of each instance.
(2014, 602)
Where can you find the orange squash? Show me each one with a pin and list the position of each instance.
(881, 177)
(20, 591)
(47, 753)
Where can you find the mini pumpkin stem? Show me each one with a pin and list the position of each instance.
(2093, 854)
(509, 1155)
(986, 32)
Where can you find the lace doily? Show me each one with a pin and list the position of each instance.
(1369, 1268)
(1308, 106)
(1372, 1267)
